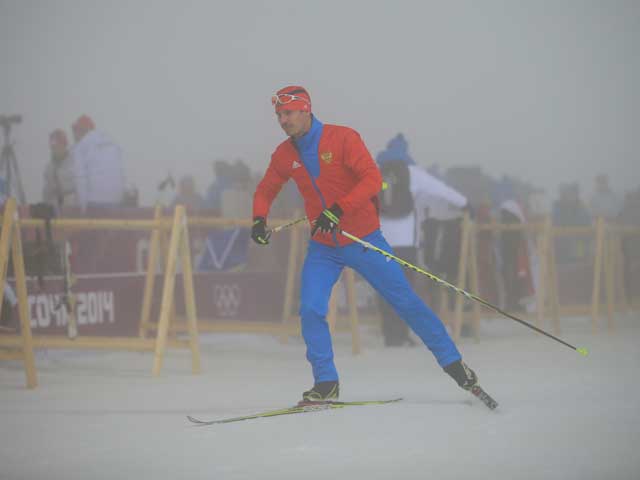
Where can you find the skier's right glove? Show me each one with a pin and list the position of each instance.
(328, 220)
(259, 232)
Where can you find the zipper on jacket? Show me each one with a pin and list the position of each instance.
(315, 187)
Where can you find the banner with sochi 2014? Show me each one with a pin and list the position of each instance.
(109, 272)
(110, 304)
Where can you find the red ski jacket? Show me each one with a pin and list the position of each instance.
(348, 176)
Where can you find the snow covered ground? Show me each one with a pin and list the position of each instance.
(100, 415)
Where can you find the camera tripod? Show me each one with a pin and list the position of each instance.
(8, 163)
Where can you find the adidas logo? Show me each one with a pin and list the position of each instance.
(296, 164)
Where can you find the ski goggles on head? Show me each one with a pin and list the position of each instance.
(286, 98)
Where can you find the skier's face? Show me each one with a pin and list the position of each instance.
(295, 123)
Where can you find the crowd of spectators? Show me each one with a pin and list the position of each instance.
(90, 172)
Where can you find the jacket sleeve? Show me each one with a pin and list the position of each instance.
(48, 189)
(359, 160)
(426, 188)
(268, 189)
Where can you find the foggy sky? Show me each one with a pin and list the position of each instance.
(543, 90)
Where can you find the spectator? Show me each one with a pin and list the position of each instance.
(630, 216)
(398, 222)
(487, 254)
(604, 202)
(165, 191)
(9, 299)
(441, 231)
(236, 197)
(411, 192)
(188, 195)
(131, 198)
(516, 261)
(59, 187)
(98, 166)
(569, 210)
(223, 180)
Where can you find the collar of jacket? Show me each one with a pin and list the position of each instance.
(307, 147)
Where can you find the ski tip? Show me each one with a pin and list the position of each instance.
(195, 421)
(582, 351)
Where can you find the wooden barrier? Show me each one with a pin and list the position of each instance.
(22, 346)
(178, 251)
(547, 300)
(289, 324)
(608, 263)
(160, 253)
(468, 272)
(620, 297)
(463, 262)
(608, 277)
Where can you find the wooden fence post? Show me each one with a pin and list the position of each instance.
(10, 235)
(462, 275)
(154, 253)
(177, 232)
(290, 282)
(473, 280)
(23, 307)
(189, 297)
(597, 267)
(554, 297)
(609, 278)
(543, 274)
(352, 302)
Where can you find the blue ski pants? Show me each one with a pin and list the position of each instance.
(321, 270)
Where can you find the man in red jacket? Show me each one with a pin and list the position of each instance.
(339, 182)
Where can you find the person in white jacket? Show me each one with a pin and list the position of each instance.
(411, 194)
(98, 166)
(59, 187)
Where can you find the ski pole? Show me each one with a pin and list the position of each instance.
(404, 263)
(286, 225)
(302, 219)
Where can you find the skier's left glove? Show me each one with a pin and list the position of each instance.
(328, 220)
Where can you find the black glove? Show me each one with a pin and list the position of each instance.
(259, 232)
(328, 220)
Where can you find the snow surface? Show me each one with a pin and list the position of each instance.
(101, 415)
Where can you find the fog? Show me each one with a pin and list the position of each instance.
(542, 90)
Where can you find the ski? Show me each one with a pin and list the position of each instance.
(301, 407)
(484, 397)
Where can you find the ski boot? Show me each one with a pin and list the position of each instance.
(463, 375)
(322, 392)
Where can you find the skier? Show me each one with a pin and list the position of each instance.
(339, 182)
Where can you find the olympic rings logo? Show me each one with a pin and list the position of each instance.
(227, 299)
